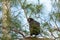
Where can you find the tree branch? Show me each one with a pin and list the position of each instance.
(20, 32)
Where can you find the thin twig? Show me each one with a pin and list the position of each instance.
(20, 32)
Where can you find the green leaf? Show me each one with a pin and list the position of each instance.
(45, 33)
(57, 16)
(45, 24)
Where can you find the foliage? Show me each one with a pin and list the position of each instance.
(32, 9)
(57, 16)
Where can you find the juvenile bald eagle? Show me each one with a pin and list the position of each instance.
(34, 27)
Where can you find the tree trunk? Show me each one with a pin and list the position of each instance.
(34, 38)
(6, 20)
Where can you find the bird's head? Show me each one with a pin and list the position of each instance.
(30, 19)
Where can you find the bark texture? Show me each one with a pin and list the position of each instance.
(6, 20)
(33, 38)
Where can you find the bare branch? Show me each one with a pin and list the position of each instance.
(20, 32)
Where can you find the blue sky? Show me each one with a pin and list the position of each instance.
(46, 3)
(46, 10)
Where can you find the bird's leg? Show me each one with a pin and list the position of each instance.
(30, 35)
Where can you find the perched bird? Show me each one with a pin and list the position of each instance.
(34, 27)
